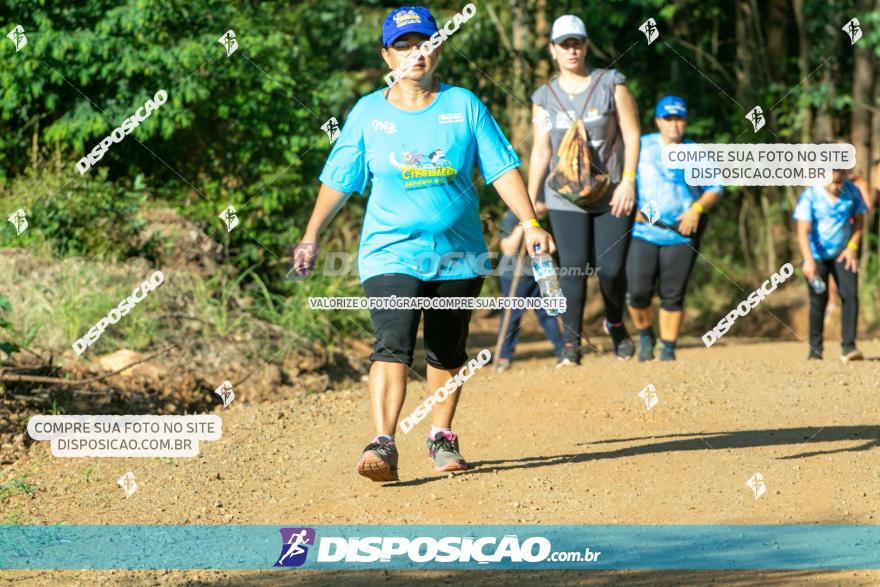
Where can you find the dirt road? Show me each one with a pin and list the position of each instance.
(573, 446)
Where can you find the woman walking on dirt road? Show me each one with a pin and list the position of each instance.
(419, 206)
(586, 120)
(666, 237)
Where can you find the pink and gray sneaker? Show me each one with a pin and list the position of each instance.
(379, 461)
(443, 449)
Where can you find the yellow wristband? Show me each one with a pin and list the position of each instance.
(631, 174)
(852, 246)
(698, 207)
(530, 222)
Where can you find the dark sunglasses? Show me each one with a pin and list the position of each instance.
(402, 46)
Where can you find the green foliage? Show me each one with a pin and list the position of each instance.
(6, 346)
(84, 216)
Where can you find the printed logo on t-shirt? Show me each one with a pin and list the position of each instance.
(418, 170)
(386, 126)
(592, 115)
(563, 119)
(451, 118)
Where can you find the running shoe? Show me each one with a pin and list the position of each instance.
(851, 354)
(815, 355)
(379, 461)
(646, 347)
(443, 448)
(569, 357)
(502, 365)
(623, 344)
(667, 354)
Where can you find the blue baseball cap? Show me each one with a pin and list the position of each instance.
(407, 19)
(671, 106)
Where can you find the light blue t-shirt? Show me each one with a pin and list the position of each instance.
(423, 205)
(831, 228)
(667, 189)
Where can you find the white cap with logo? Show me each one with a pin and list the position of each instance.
(567, 27)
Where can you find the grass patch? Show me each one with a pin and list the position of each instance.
(12, 487)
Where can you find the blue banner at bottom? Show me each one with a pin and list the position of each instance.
(686, 547)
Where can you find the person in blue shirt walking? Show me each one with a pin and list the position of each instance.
(418, 142)
(666, 235)
(829, 229)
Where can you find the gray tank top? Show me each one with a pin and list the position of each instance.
(606, 144)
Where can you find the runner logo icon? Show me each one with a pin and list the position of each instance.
(294, 543)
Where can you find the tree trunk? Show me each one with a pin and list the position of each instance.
(518, 104)
(862, 86)
(804, 64)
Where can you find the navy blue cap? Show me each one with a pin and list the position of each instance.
(671, 106)
(407, 19)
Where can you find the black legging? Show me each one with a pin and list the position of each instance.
(848, 287)
(647, 262)
(586, 241)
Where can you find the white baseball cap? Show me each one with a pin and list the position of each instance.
(567, 27)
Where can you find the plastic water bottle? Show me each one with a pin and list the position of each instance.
(818, 285)
(544, 272)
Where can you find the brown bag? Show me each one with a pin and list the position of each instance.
(573, 175)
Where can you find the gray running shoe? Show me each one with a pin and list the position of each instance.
(379, 461)
(569, 357)
(443, 448)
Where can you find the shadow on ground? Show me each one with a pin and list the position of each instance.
(869, 435)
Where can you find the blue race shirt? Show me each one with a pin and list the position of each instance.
(830, 220)
(423, 205)
(667, 189)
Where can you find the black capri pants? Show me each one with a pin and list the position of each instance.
(671, 263)
(445, 332)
